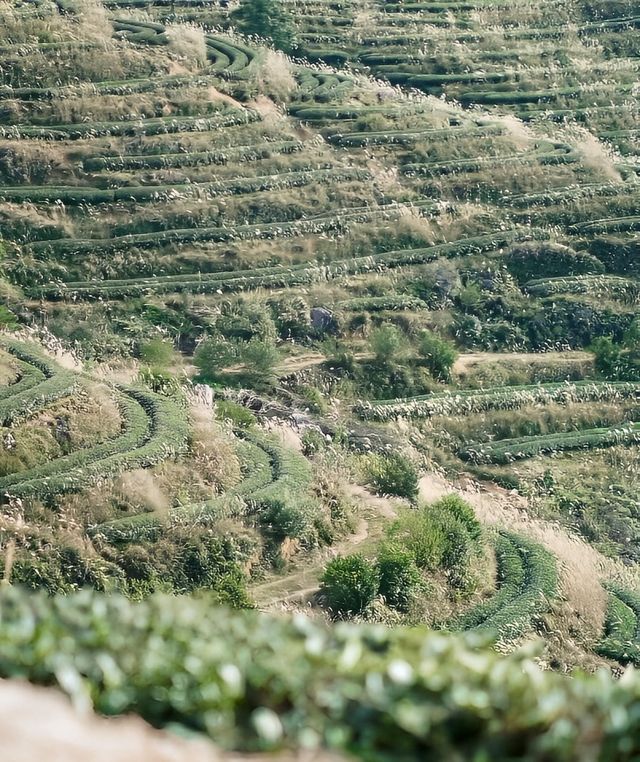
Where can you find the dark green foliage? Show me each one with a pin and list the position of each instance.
(213, 356)
(453, 505)
(527, 262)
(439, 355)
(157, 352)
(349, 585)
(240, 416)
(392, 474)
(527, 581)
(387, 344)
(399, 577)
(265, 18)
(285, 515)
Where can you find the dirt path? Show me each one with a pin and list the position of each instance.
(466, 362)
(301, 583)
(462, 365)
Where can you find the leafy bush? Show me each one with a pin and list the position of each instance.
(349, 585)
(439, 355)
(240, 416)
(423, 690)
(530, 261)
(285, 515)
(399, 577)
(453, 505)
(392, 474)
(387, 344)
(157, 352)
(422, 536)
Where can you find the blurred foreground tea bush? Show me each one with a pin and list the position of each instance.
(257, 682)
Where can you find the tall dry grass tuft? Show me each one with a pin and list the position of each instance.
(141, 490)
(275, 76)
(595, 155)
(188, 43)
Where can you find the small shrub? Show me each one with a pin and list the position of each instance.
(238, 415)
(421, 536)
(387, 344)
(439, 355)
(453, 505)
(157, 353)
(349, 584)
(392, 475)
(399, 577)
(212, 356)
(284, 516)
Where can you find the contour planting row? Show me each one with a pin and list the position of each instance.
(546, 153)
(334, 219)
(527, 580)
(470, 401)
(234, 154)
(40, 382)
(281, 276)
(409, 136)
(598, 286)
(226, 117)
(509, 450)
(621, 640)
(270, 472)
(154, 429)
(233, 186)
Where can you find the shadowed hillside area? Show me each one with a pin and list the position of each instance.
(320, 379)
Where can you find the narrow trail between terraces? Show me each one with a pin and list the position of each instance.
(302, 580)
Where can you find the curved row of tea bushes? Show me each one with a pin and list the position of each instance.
(527, 581)
(470, 401)
(509, 450)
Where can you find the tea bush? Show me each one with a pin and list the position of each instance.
(395, 694)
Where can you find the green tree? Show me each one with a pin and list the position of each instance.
(260, 358)
(439, 355)
(268, 19)
(388, 344)
(349, 584)
(158, 353)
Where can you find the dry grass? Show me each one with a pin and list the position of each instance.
(275, 76)
(188, 44)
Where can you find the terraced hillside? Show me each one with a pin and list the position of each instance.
(409, 243)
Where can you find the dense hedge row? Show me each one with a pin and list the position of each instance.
(44, 383)
(232, 186)
(545, 153)
(469, 401)
(598, 286)
(154, 429)
(527, 581)
(381, 303)
(509, 450)
(256, 682)
(408, 137)
(192, 159)
(621, 640)
(278, 276)
(227, 117)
